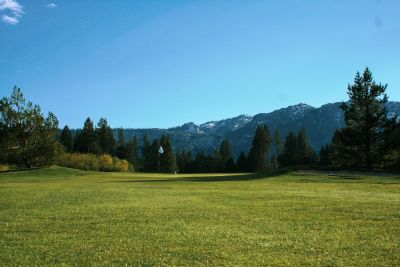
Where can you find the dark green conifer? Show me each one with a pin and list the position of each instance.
(259, 152)
(66, 139)
(361, 142)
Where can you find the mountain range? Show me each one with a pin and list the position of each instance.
(320, 124)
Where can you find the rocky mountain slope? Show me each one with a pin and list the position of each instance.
(320, 124)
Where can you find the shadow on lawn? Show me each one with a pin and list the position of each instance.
(212, 178)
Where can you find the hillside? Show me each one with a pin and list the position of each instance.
(320, 124)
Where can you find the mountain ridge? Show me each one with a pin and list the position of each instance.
(320, 123)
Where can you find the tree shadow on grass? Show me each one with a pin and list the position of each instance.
(22, 170)
(211, 178)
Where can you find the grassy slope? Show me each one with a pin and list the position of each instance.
(63, 216)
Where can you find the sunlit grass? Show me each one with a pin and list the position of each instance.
(63, 216)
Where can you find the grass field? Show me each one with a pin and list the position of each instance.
(60, 216)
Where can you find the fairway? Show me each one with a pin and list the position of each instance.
(59, 216)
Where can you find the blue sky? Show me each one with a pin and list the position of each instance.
(163, 63)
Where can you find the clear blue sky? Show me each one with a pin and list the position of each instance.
(163, 63)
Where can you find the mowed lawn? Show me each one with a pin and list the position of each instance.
(59, 216)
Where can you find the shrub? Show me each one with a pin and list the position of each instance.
(93, 162)
(4, 168)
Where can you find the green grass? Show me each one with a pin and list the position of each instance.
(61, 216)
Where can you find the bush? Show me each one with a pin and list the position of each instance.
(4, 168)
(93, 162)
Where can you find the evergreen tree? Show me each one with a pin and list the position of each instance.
(27, 136)
(146, 154)
(167, 158)
(258, 156)
(304, 154)
(278, 148)
(121, 150)
(392, 146)
(361, 142)
(324, 156)
(242, 163)
(131, 151)
(86, 142)
(121, 137)
(277, 142)
(66, 139)
(287, 158)
(227, 162)
(154, 156)
(105, 138)
(184, 162)
(202, 163)
(77, 141)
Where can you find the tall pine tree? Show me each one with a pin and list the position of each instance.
(304, 154)
(105, 138)
(287, 158)
(361, 142)
(259, 152)
(66, 139)
(227, 162)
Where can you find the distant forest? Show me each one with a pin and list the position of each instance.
(369, 139)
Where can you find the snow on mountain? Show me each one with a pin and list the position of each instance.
(227, 124)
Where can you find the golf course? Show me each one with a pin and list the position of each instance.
(67, 217)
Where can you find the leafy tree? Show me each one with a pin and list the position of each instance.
(167, 158)
(258, 156)
(27, 137)
(66, 139)
(361, 142)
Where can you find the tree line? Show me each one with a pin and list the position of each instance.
(370, 140)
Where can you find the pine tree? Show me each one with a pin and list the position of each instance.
(287, 158)
(27, 136)
(227, 162)
(121, 150)
(324, 156)
(105, 138)
(258, 156)
(392, 146)
(242, 164)
(361, 142)
(304, 153)
(87, 138)
(131, 151)
(154, 156)
(66, 139)
(278, 148)
(184, 162)
(167, 158)
(202, 163)
(121, 137)
(146, 151)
